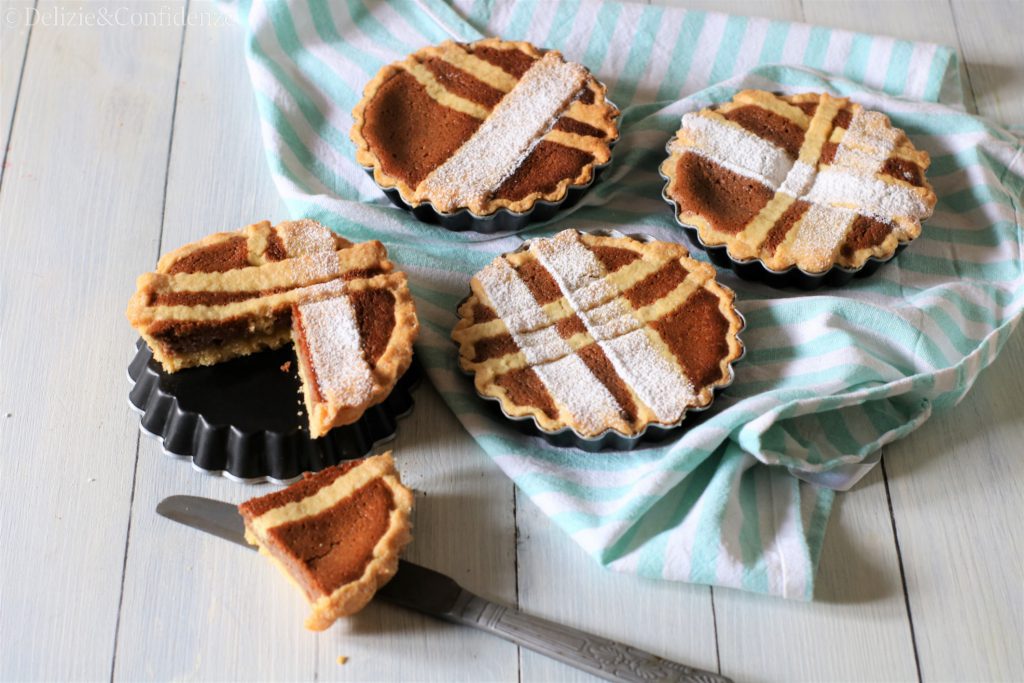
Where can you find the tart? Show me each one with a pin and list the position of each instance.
(805, 181)
(484, 126)
(598, 334)
(336, 534)
(347, 311)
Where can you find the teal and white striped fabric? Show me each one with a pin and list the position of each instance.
(829, 377)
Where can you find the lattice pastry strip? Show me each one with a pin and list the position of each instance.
(591, 332)
(808, 180)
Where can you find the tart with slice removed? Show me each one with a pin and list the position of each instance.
(347, 310)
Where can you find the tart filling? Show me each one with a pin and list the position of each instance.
(483, 125)
(806, 180)
(336, 534)
(598, 333)
(348, 312)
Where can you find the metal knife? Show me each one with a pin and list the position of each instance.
(433, 593)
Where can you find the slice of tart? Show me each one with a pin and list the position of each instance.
(482, 126)
(349, 313)
(806, 180)
(336, 534)
(598, 333)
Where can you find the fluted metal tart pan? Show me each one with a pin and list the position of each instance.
(244, 418)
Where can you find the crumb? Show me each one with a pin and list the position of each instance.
(9, 415)
(342, 659)
(287, 366)
(91, 479)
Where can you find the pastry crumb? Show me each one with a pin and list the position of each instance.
(287, 366)
(342, 659)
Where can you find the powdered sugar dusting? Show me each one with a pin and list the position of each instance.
(657, 381)
(871, 196)
(335, 352)
(819, 234)
(570, 382)
(866, 144)
(506, 137)
(735, 148)
(799, 179)
(510, 297)
(304, 237)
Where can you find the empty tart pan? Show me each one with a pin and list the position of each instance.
(245, 418)
(486, 136)
(796, 190)
(598, 340)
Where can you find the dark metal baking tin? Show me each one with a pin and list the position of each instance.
(245, 418)
(755, 269)
(610, 439)
(502, 219)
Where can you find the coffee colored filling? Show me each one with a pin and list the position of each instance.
(782, 226)
(511, 61)
(181, 337)
(904, 170)
(587, 96)
(843, 118)
(305, 487)
(808, 107)
(493, 347)
(725, 199)
(375, 316)
(597, 362)
(570, 125)
(312, 386)
(567, 327)
(332, 548)
(208, 298)
(216, 258)
(656, 285)
(865, 232)
(696, 335)
(539, 281)
(482, 313)
(828, 153)
(410, 132)
(546, 166)
(770, 126)
(613, 258)
(460, 83)
(275, 250)
(524, 388)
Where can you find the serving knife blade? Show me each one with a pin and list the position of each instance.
(433, 593)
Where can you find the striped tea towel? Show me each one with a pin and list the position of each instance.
(829, 377)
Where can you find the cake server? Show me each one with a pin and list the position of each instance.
(433, 593)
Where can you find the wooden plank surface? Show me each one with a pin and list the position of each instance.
(80, 207)
(15, 27)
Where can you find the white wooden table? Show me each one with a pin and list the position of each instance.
(121, 142)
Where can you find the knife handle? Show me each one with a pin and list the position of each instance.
(602, 657)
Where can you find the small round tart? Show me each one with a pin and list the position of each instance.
(598, 333)
(483, 126)
(808, 180)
